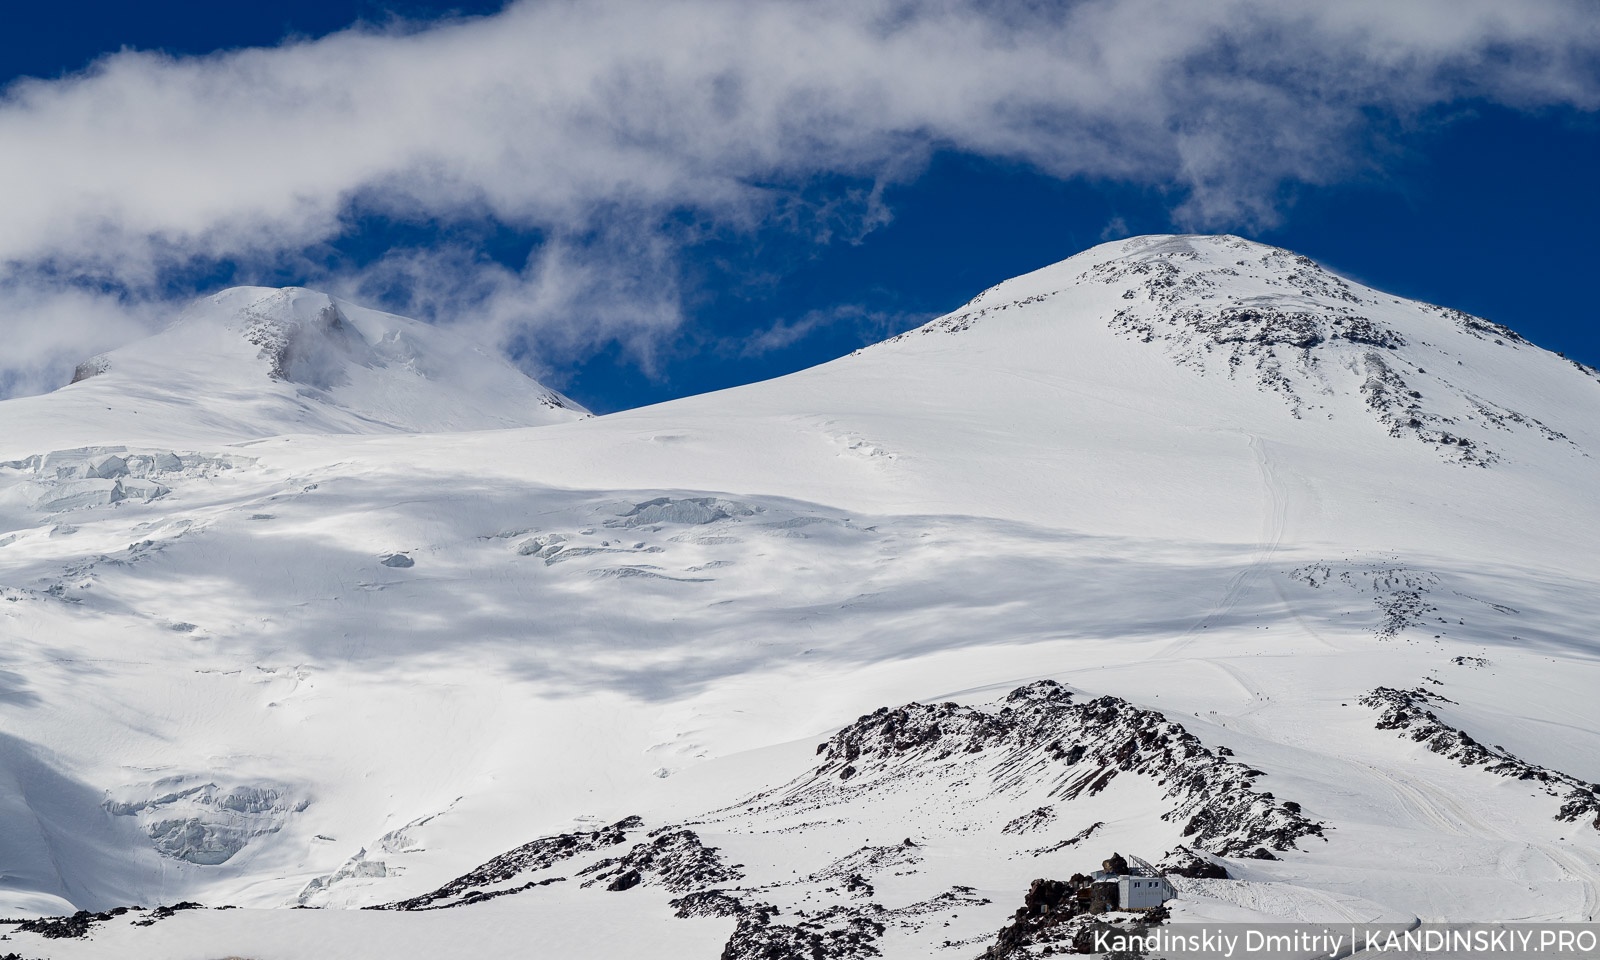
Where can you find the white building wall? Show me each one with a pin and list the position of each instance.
(1142, 893)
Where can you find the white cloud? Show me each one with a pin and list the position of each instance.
(1115, 229)
(573, 118)
(783, 333)
(50, 328)
(575, 295)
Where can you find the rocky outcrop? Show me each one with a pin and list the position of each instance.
(62, 928)
(1402, 595)
(92, 367)
(1410, 714)
(1184, 862)
(310, 351)
(1046, 911)
(1041, 742)
(168, 911)
(497, 877)
(1062, 916)
(81, 924)
(835, 934)
(1071, 841)
(707, 903)
(1042, 736)
(1031, 821)
(675, 859)
(1478, 327)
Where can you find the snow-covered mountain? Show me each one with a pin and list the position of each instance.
(253, 362)
(1184, 548)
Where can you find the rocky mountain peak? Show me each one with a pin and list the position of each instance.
(1329, 347)
(303, 336)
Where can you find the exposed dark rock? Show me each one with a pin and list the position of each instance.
(61, 928)
(964, 319)
(1410, 713)
(1479, 327)
(1362, 330)
(1184, 862)
(1259, 325)
(90, 368)
(1582, 368)
(1040, 735)
(165, 912)
(1072, 841)
(868, 860)
(1033, 820)
(1399, 407)
(1062, 917)
(834, 934)
(1400, 593)
(310, 352)
(707, 903)
(529, 858)
(676, 860)
(80, 923)
(840, 932)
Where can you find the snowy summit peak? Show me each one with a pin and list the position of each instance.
(303, 335)
(253, 362)
(1226, 307)
(1209, 291)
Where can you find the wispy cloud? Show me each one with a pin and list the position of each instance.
(603, 123)
(784, 333)
(48, 328)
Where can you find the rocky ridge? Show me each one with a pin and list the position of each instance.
(1041, 735)
(1410, 714)
(497, 877)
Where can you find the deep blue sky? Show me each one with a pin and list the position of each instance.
(1492, 212)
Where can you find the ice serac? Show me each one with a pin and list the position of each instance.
(254, 362)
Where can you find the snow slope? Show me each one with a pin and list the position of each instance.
(1224, 498)
(259, 362)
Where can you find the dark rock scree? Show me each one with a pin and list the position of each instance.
(1042, 735)
(1409, 713)
(530, 857)
(1063, 916)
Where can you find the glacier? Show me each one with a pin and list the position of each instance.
(1184, 547)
